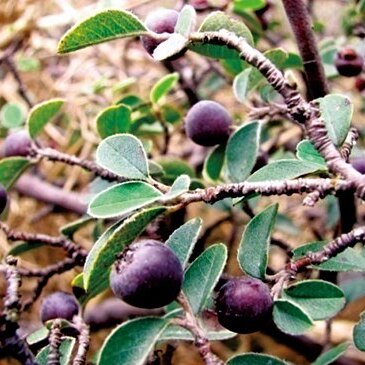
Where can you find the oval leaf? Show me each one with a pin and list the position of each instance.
(175, 44)
(122, 199)
(186, 21)
(113, 120)
(320, 299)
(163, 86)
(132, 342)
(241, 151)
(183, 239)
(254, 246)
(65, 349)
(11, 116)
(202, 275)
(359, 333)
(290, 318)
(11, 168)
(41, 114)
(101, 27)
(336, 111)
(214, 162)
(180, 186)
(307, 152)
(123, 154)
(240, 85)
(330, 356)
(111, 243)
(254, 359)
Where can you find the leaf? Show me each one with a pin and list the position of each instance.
(320, 299)
(216, 21)
(24, 247)
(163, 86)
(41, 114)
(101, 27)
(307, 152)
(112, 120)
(173, 168)
(132, 342)
(180, 186)
(214, 162)
(348, 260)
(123, 154)
(183, 239)
(186, 21)
(11, 116)
(38, 336)
(240, 85)
(80, 293)
(241, 151)
(70, 229)
(174, 332)
(336, 111)
(290, 318)
(122, 199)
(331, 355)
(353, 288)
(254, 359)
(65, 350)
(202, 275)
(175, 44)
(111, 243)
(254, 246)
(284, 169)
(359, 333)
(11, 168)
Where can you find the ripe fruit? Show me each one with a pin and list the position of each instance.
(348, 62)
(244, 305)
(207, 123)
(17, 144)
(3, 198)
(159, 21)
(147, 275)
(358, 163)
(59, 305)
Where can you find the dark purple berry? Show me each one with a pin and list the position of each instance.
(3, 198)
(159, 21)
(17, 144)
(348, 62)
(244, 305)
(207, 123)
(358, 163)
(59, 305)
(147, 275)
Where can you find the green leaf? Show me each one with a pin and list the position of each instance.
(113, 120)
(186, 21)
(163, 86)
(11, 116)
(24, 247)
(122, 199)
(111, 243)
(180, 186)
(331, 355)
(241, 151)
(80, 293)
(38, 336)
(320, 299)
(202, 275)
(348, 260)
(132, 342)
(173, 168)
(11, 168)
(183, 239)
(250, 4)
(216, 21)
(254, 359)
(214, 162)
(290, 318)
(65, 350)
(41, 114)
(101, 27)
(307, 152)
(254, 246)
(359, 333)
(70, 229)
(173, 46)
(240, 85)
(284, 169)
(123, 154)
(336, 111)
(353, 288)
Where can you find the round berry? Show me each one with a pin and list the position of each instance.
(244, 305)
(147, 275)
(3, 198)
(207, 123)
(348, 62)
(358, 163)
(59, 305)
(17, 144)
(159, 21)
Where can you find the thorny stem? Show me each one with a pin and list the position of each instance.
(201, 341)
(84, 341)
(55, 339)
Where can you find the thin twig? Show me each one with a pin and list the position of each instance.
(55, 339)
(83, 339)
